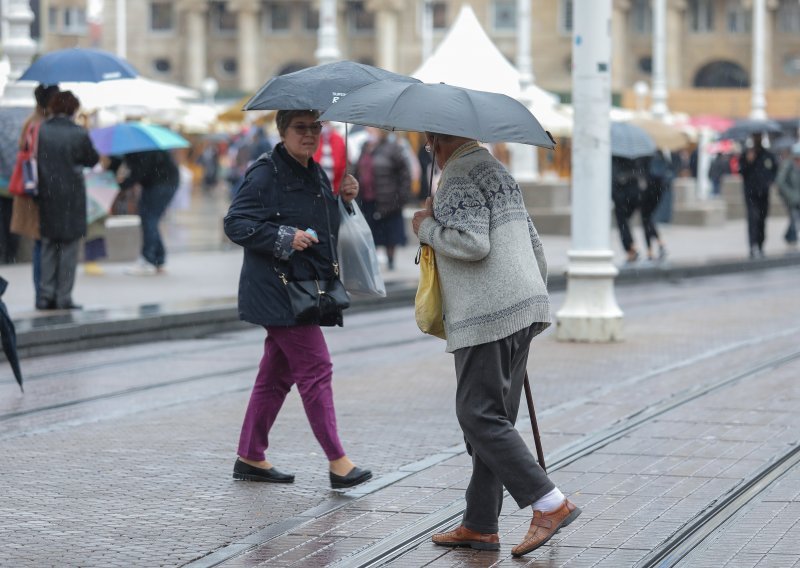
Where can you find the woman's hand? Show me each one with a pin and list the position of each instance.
(349, 189)
(421, 215)
(303, 240)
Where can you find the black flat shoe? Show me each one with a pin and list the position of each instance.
(356, 476)
(246, 472)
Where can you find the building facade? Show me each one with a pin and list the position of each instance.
(241, 43)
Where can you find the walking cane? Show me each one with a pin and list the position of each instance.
(536, 438)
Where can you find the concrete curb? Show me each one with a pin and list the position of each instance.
(68, 332)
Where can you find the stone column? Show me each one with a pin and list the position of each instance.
(590, 312)
(122, 28)
(675, 26)
(427, 29)
(524, 158)
(659, 103)
(328, 34)
(387, 17)
(758, 102)
(19, 48)
(247, 23)
(619, 50)
(196, 44)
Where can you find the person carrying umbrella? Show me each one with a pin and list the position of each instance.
(493, 278)
(788, 182)
(64, 150)
(758, 167)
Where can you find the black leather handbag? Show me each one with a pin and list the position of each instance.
(318, 300)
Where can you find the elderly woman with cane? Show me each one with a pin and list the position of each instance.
(286, 218)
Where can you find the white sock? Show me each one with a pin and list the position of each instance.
(549, 502)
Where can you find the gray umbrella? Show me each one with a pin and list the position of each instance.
(440, 108)
(630, 141)
(318, 87)
(746, 127)
(8, 337)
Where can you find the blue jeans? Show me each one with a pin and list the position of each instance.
(152, 204)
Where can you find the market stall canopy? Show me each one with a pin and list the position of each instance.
(138, 96)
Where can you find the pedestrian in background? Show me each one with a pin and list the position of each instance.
(659, 180)
(64, 150)
(628, 183)
(285, 216)
(788, 181)
(384, 175)
(157, 175)
(758, 168)
(493, 278)
(332, 156)
(720, 166)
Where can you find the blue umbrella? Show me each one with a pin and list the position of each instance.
(135, 137)
(80, 65)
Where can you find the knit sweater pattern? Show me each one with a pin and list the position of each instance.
(491, 263)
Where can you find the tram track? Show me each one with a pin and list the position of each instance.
(395, 545)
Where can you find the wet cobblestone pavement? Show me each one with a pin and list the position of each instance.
(123, 456)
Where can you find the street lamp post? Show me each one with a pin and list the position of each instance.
(758, 102)
(524, 159)
(590, 312)
(427, 29)
(659, 105)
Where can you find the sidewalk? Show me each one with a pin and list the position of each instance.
(203, 271)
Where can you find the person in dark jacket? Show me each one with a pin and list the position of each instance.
(758, 168)
(628, 182)
(385, 177)
(659, 179)
(286, 217)
(64, 150)
(157, 175)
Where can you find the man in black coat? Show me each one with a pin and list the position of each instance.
(64, 150)
(758, 168)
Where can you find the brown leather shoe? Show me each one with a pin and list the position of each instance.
(462, 536)
(545, 525)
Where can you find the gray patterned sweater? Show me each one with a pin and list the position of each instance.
(491, 264)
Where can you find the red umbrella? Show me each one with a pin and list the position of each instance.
(712, 121)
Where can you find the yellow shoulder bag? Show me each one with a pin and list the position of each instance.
(428, 302)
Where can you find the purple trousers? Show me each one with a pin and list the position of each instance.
(292, 355)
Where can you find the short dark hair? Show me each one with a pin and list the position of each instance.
(64, 102)
(284, 118)
(43, 94)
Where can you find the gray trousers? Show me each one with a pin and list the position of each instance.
(490, 379)
(59, 264)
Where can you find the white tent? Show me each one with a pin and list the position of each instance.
(467, 57)
(137, 96)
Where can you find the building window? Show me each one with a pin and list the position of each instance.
(310, 17)
(161, 16)
(360, 20)
(789, 16)
(222, 20)
(701, 16)
(645, 65)
(791, 65)
(162, 66)
(228, 67)
(74, 21)
(504, 15)
(279, 16)
(565, 16)
(739, 18)
(642, 17)
(52, 19)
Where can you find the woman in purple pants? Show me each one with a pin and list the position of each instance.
(287, 219)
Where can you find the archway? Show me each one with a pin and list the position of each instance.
(722, 75)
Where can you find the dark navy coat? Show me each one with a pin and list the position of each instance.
(278, 196)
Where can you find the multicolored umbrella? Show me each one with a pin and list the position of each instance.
(130, 137)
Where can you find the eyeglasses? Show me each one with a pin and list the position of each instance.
(302, 129)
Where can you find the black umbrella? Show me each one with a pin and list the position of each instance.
(743, 129)
(9, 337)
(317, 88)
(440, 108)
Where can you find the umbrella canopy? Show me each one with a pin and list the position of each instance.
(745, 128)
(440, 108)
(630, 141)
(666, 136)
(714, 122)
(318, 87)
(130, 137)
(78, 64)
(144, 95)
(8, 335)
(11, 121)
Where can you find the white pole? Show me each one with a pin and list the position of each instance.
(590, 311)
(427, 29)
(758, 102)
(659, 104)
(122, 28)
(19, 47)
(328, 35)
(524, 158)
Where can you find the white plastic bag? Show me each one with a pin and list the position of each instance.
(358, 263)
